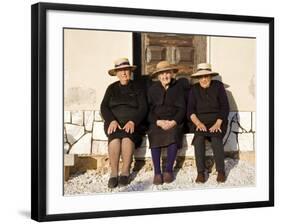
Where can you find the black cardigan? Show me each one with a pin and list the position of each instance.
(210, 101)
(166, 104)
(118, 94)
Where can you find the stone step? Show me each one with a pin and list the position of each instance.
(80, 164)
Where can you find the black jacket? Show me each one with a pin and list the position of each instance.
(124, 103)
(209, 104)
(166, 104)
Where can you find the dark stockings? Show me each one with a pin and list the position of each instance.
(171, 157)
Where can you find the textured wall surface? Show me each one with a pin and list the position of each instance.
(235, 60)
(88, 55)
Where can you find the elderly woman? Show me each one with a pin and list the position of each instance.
(167, 109)
(208, 109)
(123, 108)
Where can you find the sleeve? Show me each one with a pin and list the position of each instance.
(224, 104)
(179, 115)
(152, 117)
(180, 104)
(142, 109)
(191, 106)
(185, 86)
(105, 110)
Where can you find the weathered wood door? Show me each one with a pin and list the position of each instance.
(185, 51)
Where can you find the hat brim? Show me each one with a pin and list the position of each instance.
(112, 72)
(156, 73)
(202, 73)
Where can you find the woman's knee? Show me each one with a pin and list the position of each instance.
(198, 140)
(126, 139)
(115, 140)
(114, 143)
(216, 140)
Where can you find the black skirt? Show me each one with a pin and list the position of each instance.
(160, 138)
(136, 136)
(209, 121)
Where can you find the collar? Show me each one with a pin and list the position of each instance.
(129, 83)
(172, 83)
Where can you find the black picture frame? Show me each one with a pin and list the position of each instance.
(39, 109)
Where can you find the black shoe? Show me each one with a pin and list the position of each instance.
(158, 179)
(168, 177)
(200, 177)
(123, 180)
(221, 178)
(112, 182)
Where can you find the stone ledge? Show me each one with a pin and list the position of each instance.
(240, 135)
(235, 142)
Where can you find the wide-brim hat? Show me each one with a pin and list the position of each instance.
(163, 66)
(204, 69)
(121, 63)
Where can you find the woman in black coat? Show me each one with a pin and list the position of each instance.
(208, 109)
(123, 108)
(167, 109)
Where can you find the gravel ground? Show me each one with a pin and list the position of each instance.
(239, 174)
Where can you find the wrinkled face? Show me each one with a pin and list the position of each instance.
(124, 75)
(205, 81)
(165, 77)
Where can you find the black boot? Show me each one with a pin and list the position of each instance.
(200, 177)
(112, 182)
(124, 180)
(221, 178)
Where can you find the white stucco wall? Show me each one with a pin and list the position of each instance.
(235, 60)
(88, 55)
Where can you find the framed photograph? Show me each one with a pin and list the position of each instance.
(77, 50)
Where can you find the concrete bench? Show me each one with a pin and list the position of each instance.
(84, 139)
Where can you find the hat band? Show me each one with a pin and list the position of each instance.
(124, 63)
(200, 69)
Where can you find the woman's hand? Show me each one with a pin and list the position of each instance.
(216, 127)
(170, 124)
(201, 127)
(112, 127)
(166, 124)
(160, 123)
(129, 127)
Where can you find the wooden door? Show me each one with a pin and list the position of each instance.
(184, 51)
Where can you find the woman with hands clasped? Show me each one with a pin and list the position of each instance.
(167, 108)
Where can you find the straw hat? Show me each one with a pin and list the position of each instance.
(121, 63)
(204, 69)
(163, 66)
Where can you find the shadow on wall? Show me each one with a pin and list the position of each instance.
(230, 140)
(78, 97)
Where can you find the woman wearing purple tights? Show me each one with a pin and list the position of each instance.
(167, 108)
